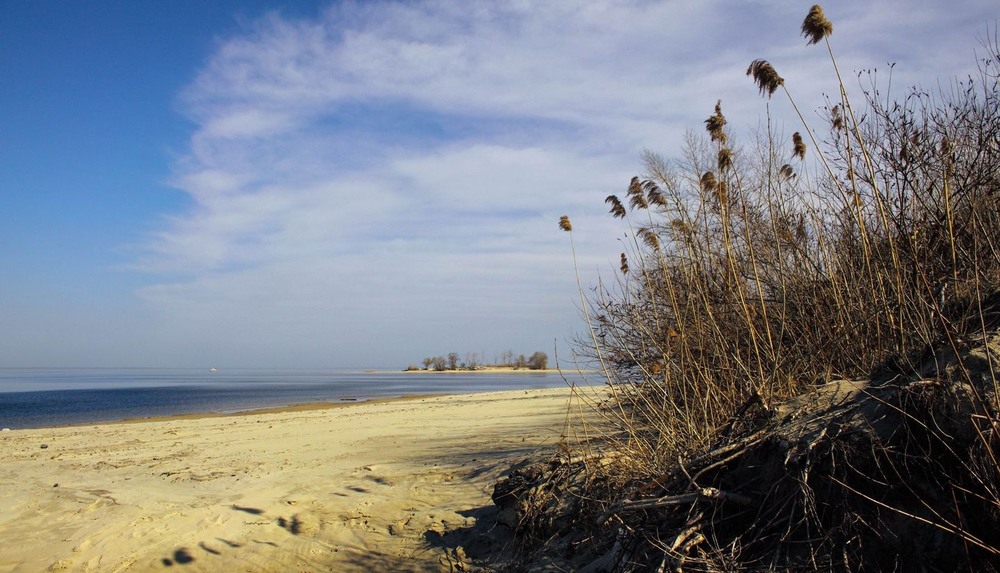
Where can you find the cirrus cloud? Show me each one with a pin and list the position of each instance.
(383, 182)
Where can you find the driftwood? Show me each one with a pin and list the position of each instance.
(898, 472)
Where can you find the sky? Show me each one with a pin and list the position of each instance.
(364, 184)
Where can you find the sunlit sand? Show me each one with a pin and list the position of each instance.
(351, 488)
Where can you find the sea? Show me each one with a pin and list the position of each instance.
(45, 397)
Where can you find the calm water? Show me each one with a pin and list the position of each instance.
(33, 397)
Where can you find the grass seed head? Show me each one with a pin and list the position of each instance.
(836, 118)
(653, 194)
(624, 265)
(765, 76)
(786, 172)
(725, 158)
(634, 187)
(650, 238)
(638, 201)
(617, 209)
(679, 226)
(798, 146)
(816, 26)
(564, 223)
(708, 182)
(716, 124)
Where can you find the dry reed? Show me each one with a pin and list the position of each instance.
(747, 285)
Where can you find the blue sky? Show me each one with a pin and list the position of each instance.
(363, 184)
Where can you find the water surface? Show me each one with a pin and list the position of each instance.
(39, 397)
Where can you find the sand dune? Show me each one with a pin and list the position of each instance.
(365, 487)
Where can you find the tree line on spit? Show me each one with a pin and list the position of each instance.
(473, 361)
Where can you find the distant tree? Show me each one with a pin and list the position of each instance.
(507, 358)
(453, 361)
(439, 364)
(521, 362)
(538, 361)
(472, 361)
(427, 363)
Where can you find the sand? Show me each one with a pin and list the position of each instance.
(365, 487)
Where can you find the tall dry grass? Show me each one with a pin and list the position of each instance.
(756, 270)
(864, 249)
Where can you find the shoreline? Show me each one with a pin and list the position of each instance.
(291, 408)
(102, 397)
(360, 486)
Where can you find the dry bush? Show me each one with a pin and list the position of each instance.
(759, 279)
(750, 277)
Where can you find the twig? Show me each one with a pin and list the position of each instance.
(705, 493)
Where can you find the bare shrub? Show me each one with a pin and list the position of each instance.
(748, 279)
(798, 328)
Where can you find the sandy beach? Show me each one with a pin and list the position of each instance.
(362, 487)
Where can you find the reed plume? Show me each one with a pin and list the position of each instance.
(716, 123)
(798, 146)
(654, 195)
(708, 182)
(617, 209)
(650, 238)
(816, 26)
(765, 76)
(725, 160)
(564, 223)
(637, 198)
(681, 227)
(836, 118)
(634, 187)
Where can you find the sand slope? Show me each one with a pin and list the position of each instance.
(353, 488)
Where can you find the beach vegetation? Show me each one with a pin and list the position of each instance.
(799, 345)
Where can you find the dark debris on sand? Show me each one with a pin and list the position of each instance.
(895, 473)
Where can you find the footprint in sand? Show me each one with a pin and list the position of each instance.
(379, 480)
(399, 527)
(300, 524)
(205, 547)
(182, 557)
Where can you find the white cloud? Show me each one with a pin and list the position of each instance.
(384, 181)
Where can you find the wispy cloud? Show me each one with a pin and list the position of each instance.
(384, 181)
